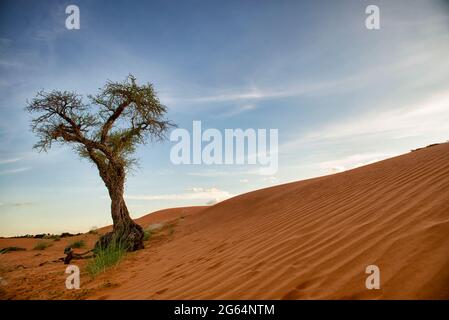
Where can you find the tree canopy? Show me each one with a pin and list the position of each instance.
(108, 128)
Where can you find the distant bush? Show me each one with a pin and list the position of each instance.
(106, 257)
(78, 244)
(47, 236)
(10, 249)
(68, 234)
(93, 230)
(428, 146)
(53, 237)
(41, 245)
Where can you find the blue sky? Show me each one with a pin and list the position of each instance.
(339, 94)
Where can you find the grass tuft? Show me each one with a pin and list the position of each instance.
(106, 258)
(10, 249)
(41, 245)
(78, 244)
(147, 235)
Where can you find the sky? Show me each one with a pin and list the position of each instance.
(340, 95)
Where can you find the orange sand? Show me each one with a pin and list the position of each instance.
(310, 239)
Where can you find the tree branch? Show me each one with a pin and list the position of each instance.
(110, 121)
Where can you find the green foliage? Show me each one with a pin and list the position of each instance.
(53, 237)
(41, 245)
(107, 128)
(147, 235)
(78, 244)
(10, 249)
(106, 257)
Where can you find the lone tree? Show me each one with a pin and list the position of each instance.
(106, 131)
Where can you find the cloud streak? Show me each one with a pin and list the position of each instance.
(5, 161)
(424, 118)
(16, 204)
(353, 161)
(194, 193)
(12, 171)
(258, 93)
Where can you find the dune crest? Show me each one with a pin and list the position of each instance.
(311, 239)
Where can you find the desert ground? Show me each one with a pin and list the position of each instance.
(310, 239)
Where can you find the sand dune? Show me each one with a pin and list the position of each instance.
(310, 239)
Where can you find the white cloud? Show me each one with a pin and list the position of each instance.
(353, 161)
(194, 193)
(5, 161)
(427, 117)
(238, 110)
(14, 171)
(217, 173)
(10, 63)
(209, 173)
(270, 179)
(257, 93)
(212, 202)
(16, 204)
(412, 58)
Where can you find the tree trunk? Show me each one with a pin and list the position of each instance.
(125, 231)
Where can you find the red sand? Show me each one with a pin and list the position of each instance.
(310, 239)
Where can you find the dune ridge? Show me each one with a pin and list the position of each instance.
(310, 239)
(313, 239)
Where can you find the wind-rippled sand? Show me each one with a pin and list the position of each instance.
(310, 239)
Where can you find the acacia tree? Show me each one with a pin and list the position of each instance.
(106, 131)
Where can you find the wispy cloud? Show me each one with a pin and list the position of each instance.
(414, 56)
(10, 63)
(12, 171)
(236, 111)
(194, 193)
(259, 93)
(270, 179)
(53, 26)
(353, 161)
(424, 118)
(16, 204)
(12, 160)
(223, 173)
